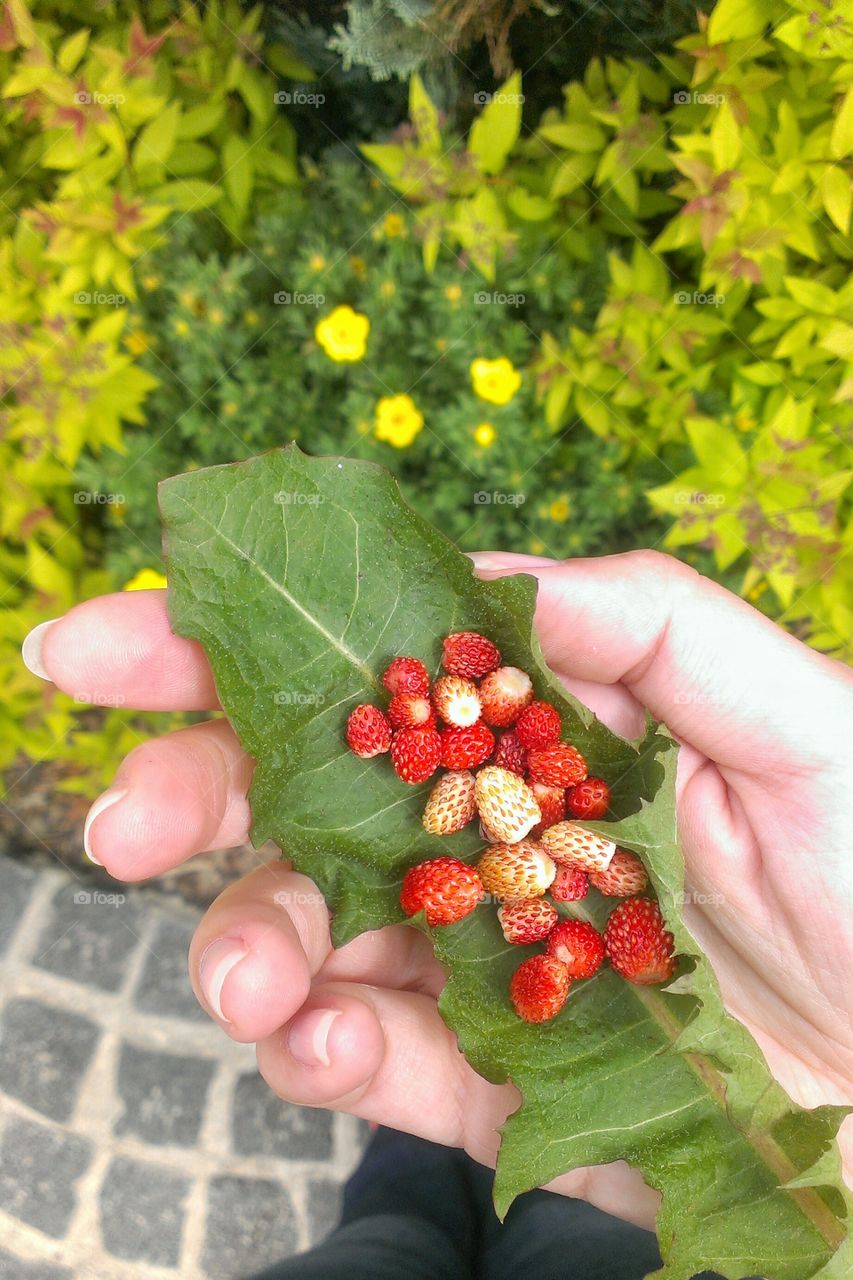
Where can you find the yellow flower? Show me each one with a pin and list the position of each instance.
(387, 288)
(250, 318)
(181, 328)
(484, 434)
(145, 580)
(495, 380)
(187, 298)
(150, 282)
(393, 225)
(560, 510)
(453, 292)
(316, 262)
(537, 546)
(216, 315)
(576, 305)
(744, 420)
(358, 267)
(343, 334)
(441, 344)
(398, 420)
(137, 342)
(230, 408)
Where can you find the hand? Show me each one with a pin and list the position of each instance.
(765, 812)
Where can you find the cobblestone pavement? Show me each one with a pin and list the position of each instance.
(136, 1140)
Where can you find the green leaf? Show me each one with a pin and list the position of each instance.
(574, 137)
(841, 141)
(494, 132)
(424, 116)
(301, 577)
(836, 192)
(738, 19)
(237, 171)
(154, 144)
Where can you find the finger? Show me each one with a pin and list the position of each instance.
(720, 674)
(257, 948)
(119, 650)
(172, 797)
(252, 927)
(388, 1057)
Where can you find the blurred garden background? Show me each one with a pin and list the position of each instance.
(577, 272)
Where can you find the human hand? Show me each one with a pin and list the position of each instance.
(764, 809)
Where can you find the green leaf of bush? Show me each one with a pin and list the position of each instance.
(302, 577)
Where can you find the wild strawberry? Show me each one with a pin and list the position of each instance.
(510, 754)
(486, 835)
(539, 725)
(456, 700)
(521, 870)
(527, 920)
(504, 694)
(505, 803)
(407, 675)
(639, 947)
(552, 806)
(579, 946)
(451, 804)
(406, 710)
(625, 876)
(368, 731)
(445, 889)
(570, 884)
(539, 987)
(571, 843)
(589, 799)
(466, 748)
(560, 765)
(416, 753)
(468, 654)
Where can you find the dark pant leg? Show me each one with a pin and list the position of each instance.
(379, 1247)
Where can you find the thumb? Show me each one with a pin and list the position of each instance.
(716, 671)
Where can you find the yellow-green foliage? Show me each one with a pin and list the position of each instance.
(107, 136)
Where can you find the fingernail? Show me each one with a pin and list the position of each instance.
(32, 647)
(308, 1037)
(103, 802)
(218, 960)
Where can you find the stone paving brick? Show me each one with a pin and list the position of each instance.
(90, 935)
(324, 1207)
(16, 883)
(44, 1053)
(142, 1212)
(264, 1125)
(12, 1268)
(39, 1166)
(250, 1224)
(164, 986)
(164, 1095)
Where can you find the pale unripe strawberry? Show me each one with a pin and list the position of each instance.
(522, 870)
(451, 803)
(571, 843)
(527, 920)
(625, 876)
(504, 694)
(505, 803)
(456, 701)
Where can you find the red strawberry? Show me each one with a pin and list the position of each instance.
(416, 753)
(625, 876)
(539, 725)
(579, 946)
(521, 870)
(511, 754)
(539, 987)
(456, 700)
(505, 803)
(444, 888)
(527, 920)
(552, 805)
(570, 884)
(571, 843)
(451, 804)
(504, 694)
(468, 654)
(466, 748)
(560, 765)
(639, 946)
(407, 675)
(368, 731)
(406, 710)
(589, 799)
